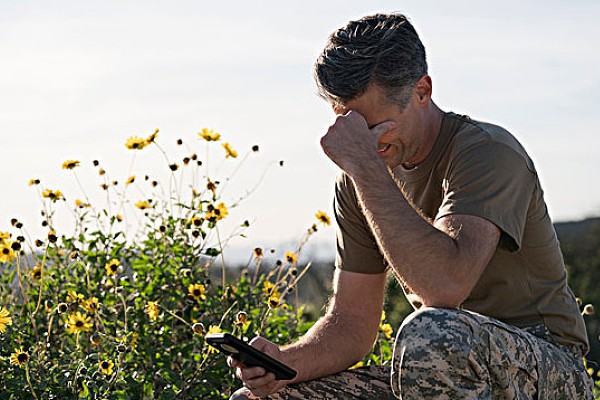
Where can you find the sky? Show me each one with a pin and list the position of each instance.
(79, 77)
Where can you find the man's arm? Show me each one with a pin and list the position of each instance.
(441, 263)
(343, 336)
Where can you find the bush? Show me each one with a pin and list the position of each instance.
(119, 308)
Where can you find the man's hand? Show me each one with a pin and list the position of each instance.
(259, 382)
(350, 143)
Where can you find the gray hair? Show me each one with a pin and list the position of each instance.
(382, 49)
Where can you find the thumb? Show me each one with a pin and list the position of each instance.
(260, 343)
(382, 128)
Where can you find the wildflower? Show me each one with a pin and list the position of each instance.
(269, 288)
(241, 320)
(112, 267)
(357, 365)
(152, 138)
(95, 339)
(119, 217)
(6, 253)
(387, 330)
(70, 164)
(323, 218)
(212, 186)
(217, 213)
(255, 148)
(130, 180)
(173, 167)
(152, 310)
(197, 221)
(73, 255)
(53, 195)
(19, 357)
(258, 253)
(198, 328)
(588, 310)
(52, 238)
(82, 204)
(209, 135)
(5, 319)
(291, 258)
(33, 182)
(90, 305)
(74, 297)
(36, 272)
(274, 300)
(78, 323)
(101, 172)
(229, 151)
(136, 143)
(106, 367)
(213, 329)
(134, 338)
(62, 308)
(143, 204)
(197, 291)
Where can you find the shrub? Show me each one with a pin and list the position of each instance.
(119, 308)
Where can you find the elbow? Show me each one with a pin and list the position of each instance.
(449, 296)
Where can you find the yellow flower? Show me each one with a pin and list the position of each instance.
(6, 253)
(5, 319)
(258, 253)
(19, 357)
(70, 164)
(291, 257)
(357, 365)
(323, 218)
(229, 152)
(53, 195)
(112, 267)
(106, 367)
(197, 221)
(213, 329)
(387, 330)
(130, 180)
(91, 305)
(119, 217)
(241, 320)
(33, 182)
(136, 143)
(268, 288)
(197, 291)
(78, 323)
(82, 204)
(216, 213)
(198, 328)
(209, 135)
(152, 310)
(152, 138)
(36, 272)
(274, 299)
(134, 339)
(74, 297)
(143, 204)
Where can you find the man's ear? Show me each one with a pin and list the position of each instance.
(423, 90)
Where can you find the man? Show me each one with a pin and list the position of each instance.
(453, 207)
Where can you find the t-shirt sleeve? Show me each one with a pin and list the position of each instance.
(357, 250)
(493, 181)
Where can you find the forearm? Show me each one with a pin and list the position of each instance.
(333, 344)
(417, 251)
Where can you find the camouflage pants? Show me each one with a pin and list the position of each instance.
(455, 354)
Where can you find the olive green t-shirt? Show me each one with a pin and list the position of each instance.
(480, 169)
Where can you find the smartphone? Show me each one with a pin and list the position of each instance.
(248, 355)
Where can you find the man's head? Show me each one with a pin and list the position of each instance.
(382, 50)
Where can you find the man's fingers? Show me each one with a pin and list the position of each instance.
(382, 128)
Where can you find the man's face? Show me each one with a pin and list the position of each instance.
(402, 145)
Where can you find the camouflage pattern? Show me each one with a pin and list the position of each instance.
(456, 354)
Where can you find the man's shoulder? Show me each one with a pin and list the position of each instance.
(475, 135)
